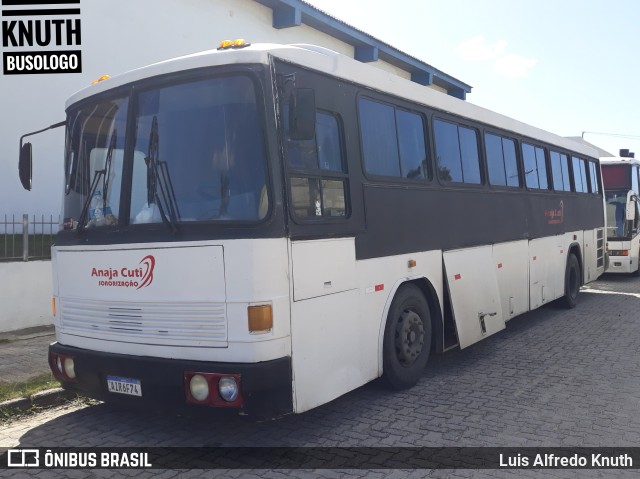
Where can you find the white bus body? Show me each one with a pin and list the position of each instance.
(620, 181)
(305, 297)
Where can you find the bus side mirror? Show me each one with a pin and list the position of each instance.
(25, 164)
(631, 209)
(302, 114)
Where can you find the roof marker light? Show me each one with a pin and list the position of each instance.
(102, 78)
(238, 43)
(225, 44)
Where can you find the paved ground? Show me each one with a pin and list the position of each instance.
(554, 377)
(23, 355)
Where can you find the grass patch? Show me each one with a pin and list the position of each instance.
(27, 388)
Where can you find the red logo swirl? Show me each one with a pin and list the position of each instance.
(149, 263)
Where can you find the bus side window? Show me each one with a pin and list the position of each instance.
(318, 180)
(393, 141)
(535, 167)
(593, 177)
(560, 171)
(502, 162)
(579, 175)
(457, 153)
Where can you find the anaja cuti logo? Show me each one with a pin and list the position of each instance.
(137, 277)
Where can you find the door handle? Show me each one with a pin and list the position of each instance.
(481, 316)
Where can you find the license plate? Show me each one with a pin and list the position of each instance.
(129, 386)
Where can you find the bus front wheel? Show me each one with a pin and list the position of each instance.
(407, 338)
(571, 282)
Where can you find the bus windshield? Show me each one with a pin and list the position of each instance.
(617, 227)
(198, 155)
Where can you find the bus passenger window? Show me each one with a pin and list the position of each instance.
(579, 175)
(593, 177)
(542, 168)
(560, 171)
(457, 153)
(379, 140)
(501, 161)
(393, 141)
(530, 167)
(412, 146)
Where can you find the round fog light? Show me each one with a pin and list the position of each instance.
(69, 368)
(228, 389)
(199, 387)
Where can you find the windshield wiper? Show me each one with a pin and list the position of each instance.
(159, 187)
(94, 183)
(85, 208)
(107, 165)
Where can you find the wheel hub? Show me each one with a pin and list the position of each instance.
(409, 337)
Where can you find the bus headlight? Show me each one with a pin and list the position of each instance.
(62, 366)
(228, 388)
(69, 367)
(199, 387)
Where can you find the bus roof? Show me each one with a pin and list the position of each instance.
(341, 66)
(619, 160)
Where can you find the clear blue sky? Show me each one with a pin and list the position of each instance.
(566, 66)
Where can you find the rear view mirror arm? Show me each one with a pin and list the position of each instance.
(50, 127)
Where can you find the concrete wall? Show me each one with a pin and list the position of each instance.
(25, 295)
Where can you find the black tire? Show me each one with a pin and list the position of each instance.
(407, 338)
(571, 282)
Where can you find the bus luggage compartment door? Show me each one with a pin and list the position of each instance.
(475, 298)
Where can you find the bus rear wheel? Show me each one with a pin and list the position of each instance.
(571, 282)
(407, 338)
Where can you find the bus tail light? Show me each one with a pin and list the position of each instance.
(260, 318)
(620, 252)
(63, 367)
(213, 389)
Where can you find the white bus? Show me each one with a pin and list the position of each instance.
(620, 179)
(268, 227)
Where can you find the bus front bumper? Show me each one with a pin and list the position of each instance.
(264, 388)
(621, 264)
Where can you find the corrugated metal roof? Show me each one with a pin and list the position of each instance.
(290, 13)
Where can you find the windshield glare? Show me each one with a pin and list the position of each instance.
(617, 226)
(198, 155)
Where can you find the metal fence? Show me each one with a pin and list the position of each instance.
(28, 237)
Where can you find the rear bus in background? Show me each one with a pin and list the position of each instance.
(268, 227)
(620, 177)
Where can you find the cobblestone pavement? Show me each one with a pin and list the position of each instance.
(553, 377)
